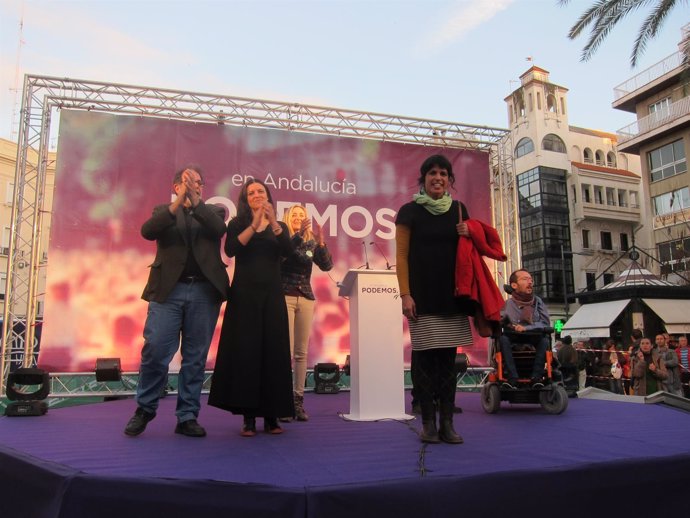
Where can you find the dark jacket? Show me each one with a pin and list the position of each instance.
(296, 269)
(170, 233)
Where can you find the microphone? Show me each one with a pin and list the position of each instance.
(388, 266)
(366, 256)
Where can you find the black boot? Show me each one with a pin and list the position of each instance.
(429, 432)
(447, 433)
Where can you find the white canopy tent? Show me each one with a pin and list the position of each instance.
(593, 320)
(674, 313)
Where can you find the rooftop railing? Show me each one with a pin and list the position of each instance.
(647, 76)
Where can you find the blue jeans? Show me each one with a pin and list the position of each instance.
(186, 320)
(541, 344)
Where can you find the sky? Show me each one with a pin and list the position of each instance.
(448, 60)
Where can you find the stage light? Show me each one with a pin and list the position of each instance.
(108, 369)
(27, 403)
(326, 377)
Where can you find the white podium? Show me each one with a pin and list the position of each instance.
(377, 377)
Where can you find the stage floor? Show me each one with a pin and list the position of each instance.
(76, 462)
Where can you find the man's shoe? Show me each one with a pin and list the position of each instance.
(511, 384)
(190, 428)
(537, 383)
(137, 424)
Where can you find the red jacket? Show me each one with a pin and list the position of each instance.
(680, 360)
(472, 277)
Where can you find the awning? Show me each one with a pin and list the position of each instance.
(674, 312)
(593, 320)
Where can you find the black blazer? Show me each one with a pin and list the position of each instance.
(169, 232)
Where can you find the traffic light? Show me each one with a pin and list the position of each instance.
(558, 327)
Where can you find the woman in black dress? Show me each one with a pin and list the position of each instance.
(252, 375)
(427, 233)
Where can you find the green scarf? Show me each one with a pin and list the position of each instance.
(436, 207)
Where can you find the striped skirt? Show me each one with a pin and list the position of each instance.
(435, 331)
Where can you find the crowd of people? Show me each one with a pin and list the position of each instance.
(640, 367)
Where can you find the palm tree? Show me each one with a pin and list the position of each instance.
(603, 16)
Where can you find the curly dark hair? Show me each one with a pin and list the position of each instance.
(244, 211)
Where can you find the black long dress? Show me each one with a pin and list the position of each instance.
(252, 375)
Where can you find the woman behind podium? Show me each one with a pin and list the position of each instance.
(252, 375)
(308, 248)
(427, 233)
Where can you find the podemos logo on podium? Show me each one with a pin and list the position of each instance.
(391, 290)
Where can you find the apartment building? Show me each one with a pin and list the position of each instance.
(660, 98)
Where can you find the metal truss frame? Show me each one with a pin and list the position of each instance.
(43, 96)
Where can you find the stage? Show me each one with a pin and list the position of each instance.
(598, 458)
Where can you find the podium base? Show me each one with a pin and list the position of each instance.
(395, 417)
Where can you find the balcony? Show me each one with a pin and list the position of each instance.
(647, 76)
(609, 211)
(653, 125)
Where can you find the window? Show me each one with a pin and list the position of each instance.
(524, 146)
(610, 159)
(608, 278)
(660, 109)
(591, 279)
(633, 200)
(670, 202)
(553, 142)
(585, 238)
(9, 194)
(624, 241)
(586, 196)
(666, 161)
(622, 198)
(610, 196)
(606, 242)
(600, 157)
(563, 105)
(598, 195)
(539, 101)
(674, 255)
(589, 157)
(5, 243)
(530, 105)
(551, 103)
(3, 280)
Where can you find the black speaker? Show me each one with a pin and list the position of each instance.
(108, 369)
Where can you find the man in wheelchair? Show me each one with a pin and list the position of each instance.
(525, 321)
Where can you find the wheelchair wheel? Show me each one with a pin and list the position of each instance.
(554, 401)
(491, 398)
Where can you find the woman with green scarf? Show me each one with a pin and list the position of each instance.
(427, 233)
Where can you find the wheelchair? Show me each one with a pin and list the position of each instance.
(552, 396)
